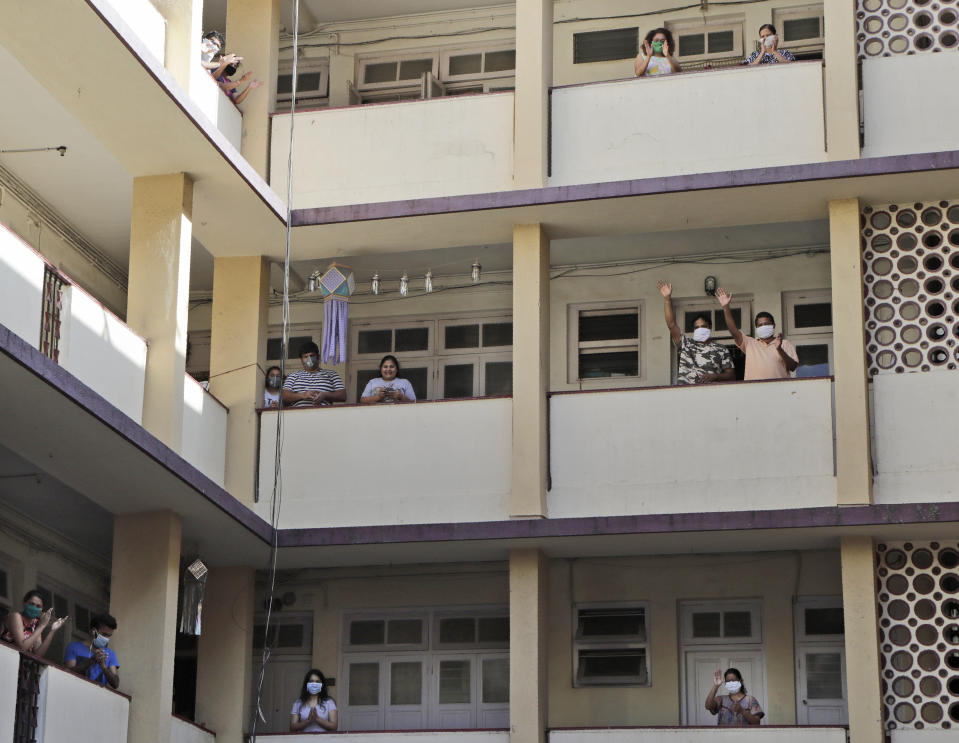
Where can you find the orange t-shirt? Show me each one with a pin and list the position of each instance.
(763, 360)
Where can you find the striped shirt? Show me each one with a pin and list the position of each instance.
(322, 380)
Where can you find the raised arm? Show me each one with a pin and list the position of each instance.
(642, 59)
(45, 645)
(724, 300)
(711, 704)
(667, 52)
(667, 291)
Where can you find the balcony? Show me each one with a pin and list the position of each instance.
(406, 736)
(395, 151)
(760, 734)
(729, 447)
(698, 122)
(390, 464)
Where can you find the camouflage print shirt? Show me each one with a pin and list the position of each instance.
(697, 359)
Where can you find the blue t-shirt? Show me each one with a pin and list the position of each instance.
(78, 651)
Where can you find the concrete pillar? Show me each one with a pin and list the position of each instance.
(253, 32)
(143, 598)
(862, 640)
(184, 28)
(528, 626)
(534, 76)
(223, 667)
(853, 459)
(158, 295)
(841, 80)
(237, 348)
(530, 370)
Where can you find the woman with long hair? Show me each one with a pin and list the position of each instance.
(314, 711)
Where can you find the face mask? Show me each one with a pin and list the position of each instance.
(769, 41)
(314, 687)
(311, 362)
(658, 47)
(733, 686)
(701, 335)
(32, 611)
(100, 641)
(765, 331)
(274, 382)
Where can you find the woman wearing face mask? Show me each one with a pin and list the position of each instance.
(657, 55)
(389, 387)
(271, 392)
(734, 707)
(25, 629)
(769, 51)
(314, 711)
(768, 355)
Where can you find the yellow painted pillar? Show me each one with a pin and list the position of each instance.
(528, 626)
(853, 458)
(184, 29)
(223, 654)
(530, 370)
(253, 32)
(237, 348)
(158, 295)
(143, 598)
(841, 80)
(534, 76)
(862, 640)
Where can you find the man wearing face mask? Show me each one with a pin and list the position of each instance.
(312, 386)
(700, 360)
(93, 659)
(768, 355)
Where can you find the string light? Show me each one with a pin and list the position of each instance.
(428, 282)
(475, 271)
(404, 284)
(375, 284)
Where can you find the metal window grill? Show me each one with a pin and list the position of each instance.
(50, 327)
(28, 692)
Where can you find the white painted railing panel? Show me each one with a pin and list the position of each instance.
(395, 151)
(906, 99)
(204, 431)
(216, 105)
(390, 464)
(729, 447)
(9, 666)
(760, 734)
(182, 731)
(73, 709)
(21, 287)
(102, 351)
(689, 123)
(146, 22)
(425, 736)
(914, 435)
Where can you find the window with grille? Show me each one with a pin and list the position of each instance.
(53, 285)
(610, 644)
(605, 46)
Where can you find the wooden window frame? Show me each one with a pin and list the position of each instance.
(754, 606)
(692, 27)
(610, 643)
(574, 347)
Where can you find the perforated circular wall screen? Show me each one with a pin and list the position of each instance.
(911, 273)
(888, 27)
(918, 585)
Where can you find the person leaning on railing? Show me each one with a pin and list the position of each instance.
(25, 629)
(657, 55)
(93, 659)
(769, 51)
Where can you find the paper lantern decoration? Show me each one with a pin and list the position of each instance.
(337, 286)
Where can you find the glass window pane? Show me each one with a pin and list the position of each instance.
(308, 82)
(719, 319)
(412, 339)
(406, 683)
(706, 624)
(812, 315)
(419, 378)
(692, 44)
(824, 621)
(375, 341)
(381, 72)
(824, 675)
(496, 681)
(61, 607)
(274, 347)
(494, 630)
(284, 86)
(458, 630)
(604, 46)
(801, 28)
(464, 91)
(367, 632)
(404, 631)
(364, 683)
(596, 327)
(458, 380)
(612, 364)
(813, 360)
(499, 378)
(454, 682)
(411, 69)
(737, 624)
(363, 376)
(466, 64)
(689, 319)
(618, 665)
(462, 336)
(612, 623)
(289, 635)
(500, 61)
(720, 41)
(497, 334)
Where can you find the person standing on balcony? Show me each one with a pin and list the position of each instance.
(93, 659)
(768, 355)
(657, 55)
(312, 386)
(389, 387)
(25, 629)
(769, 51)
(315, 710)
(274, 383)
(735, 708)
(700, 360)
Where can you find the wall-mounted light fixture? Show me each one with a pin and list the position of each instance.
(710, 286)
(404, 284)
(428, 282)
(475, 272)
(375, 284)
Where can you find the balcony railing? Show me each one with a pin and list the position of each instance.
(146, 22)
(406, 736)
(216, 104)
(735, 446)
(688, 123)
(390, 464)
(758, 734)
(203, 442)
(395, 151)
(184, 731)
